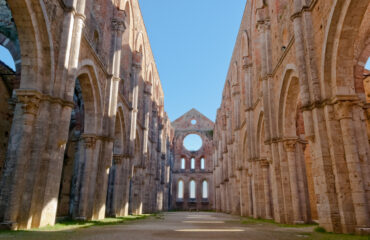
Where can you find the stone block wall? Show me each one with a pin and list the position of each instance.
(291, 134)
(192, 122)
(88, 119)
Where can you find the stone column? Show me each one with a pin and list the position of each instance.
(44, 200)
(268, 106)
(250, 195)
(244, 193)
(125, 194)
(87, 163)
(147, 110)
(12, 182)
(118, 28)
(344, 110)
(290, 147)
(118, 187)
(136, 70)
(265, 170)
(114, 187)
(254, 180)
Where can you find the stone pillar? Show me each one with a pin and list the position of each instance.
(115, 187)
(118, 28)
(126, 186)
(244, 211)
(268, 106)
(290, 147)
(218, 199)
(147, 110)
(137, 191)
(12, 182)
(222, 193)
(88, 167)
(344, 115)
(250, 195)
(265, 170)
(254, 180)
(136, 67)
(260, 190)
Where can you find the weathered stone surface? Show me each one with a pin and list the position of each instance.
(83, 141)
(291, 132)
(84, 134)
(192, 122)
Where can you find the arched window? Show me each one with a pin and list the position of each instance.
(192, 164)
(180, 189)
(182, 163)
(192, 187)
(205, 189)
(202, 164)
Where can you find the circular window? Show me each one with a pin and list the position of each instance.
(193, 142)
(193, 121)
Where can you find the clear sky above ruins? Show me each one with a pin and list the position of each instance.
(192, 43)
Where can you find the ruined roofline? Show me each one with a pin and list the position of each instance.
(191, 110)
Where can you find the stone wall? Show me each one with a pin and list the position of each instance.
(290, 135)
(89, 119)
(192, 122)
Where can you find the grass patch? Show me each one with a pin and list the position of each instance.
(70, 224)
(320, 230)
(270, 221)
(334, 236)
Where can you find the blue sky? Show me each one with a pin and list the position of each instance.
(192, 42)
(6, 58)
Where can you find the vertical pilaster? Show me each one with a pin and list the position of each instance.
(290, 147)
(266, 183)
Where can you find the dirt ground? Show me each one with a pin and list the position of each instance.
(179, 226)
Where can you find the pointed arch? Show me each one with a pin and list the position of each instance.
(119, 133)
(91, 92)
(261, 149)
(128, 35)
(36, 44)
(192, 189)
(180, 189)
(235, 74)
(337, 66)
(245, 44)
(205, 189)
(288, 102)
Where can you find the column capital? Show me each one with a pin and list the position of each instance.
(89, 140)
(290, 144)
(148, 89)
(137, 60)
(29, 99)
(343, 109)
(117, 159)
(118, 25)
(247, 63)
(264, 163)
(235, 89)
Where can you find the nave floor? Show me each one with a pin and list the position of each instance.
(179, 226)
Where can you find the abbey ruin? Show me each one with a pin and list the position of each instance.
(84, 133)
